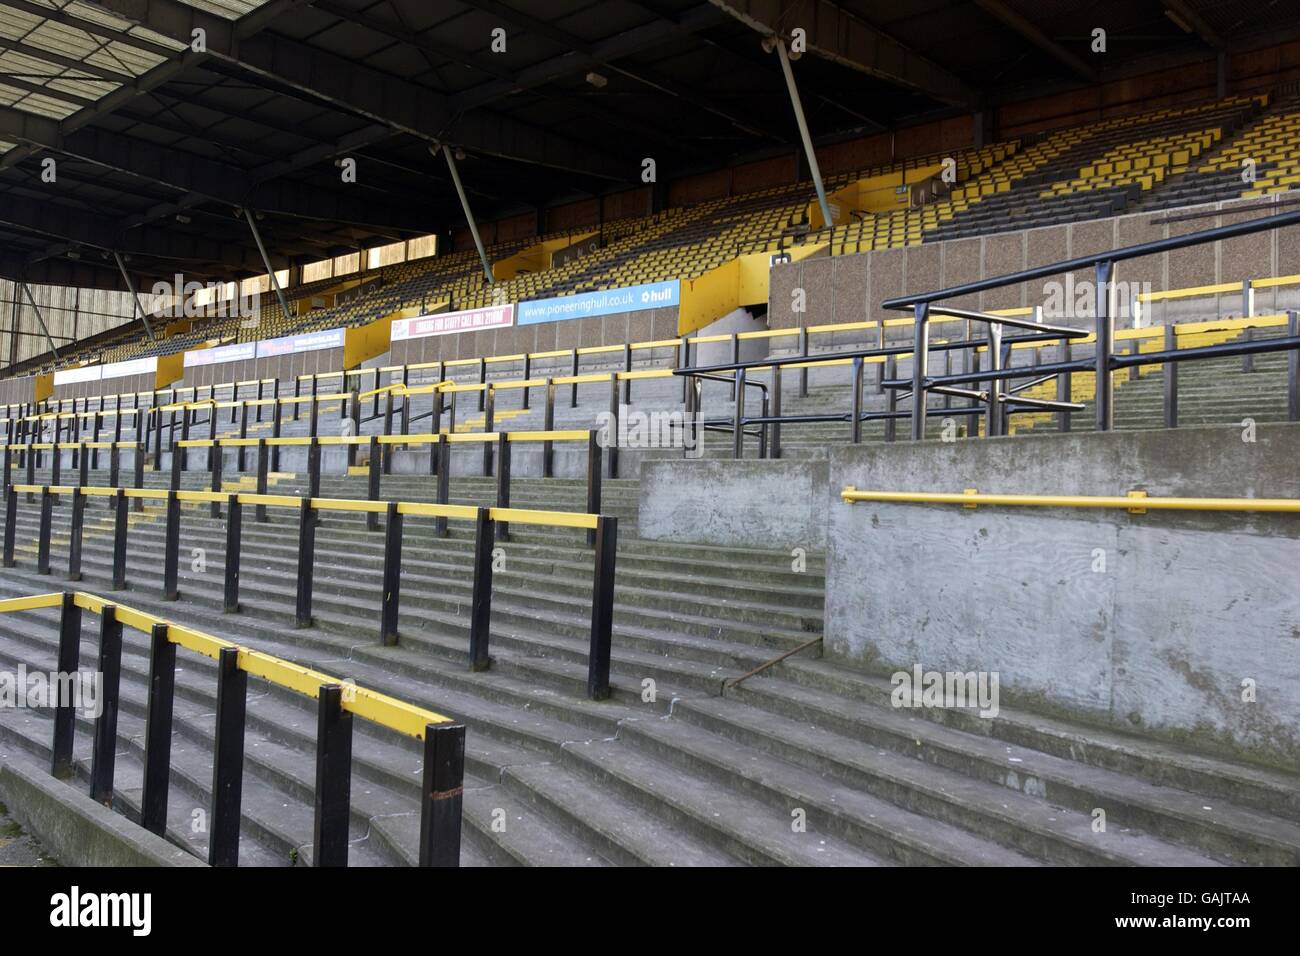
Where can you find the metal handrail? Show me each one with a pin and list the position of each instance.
(443, 737)
(1104, 362)
(1136, 502)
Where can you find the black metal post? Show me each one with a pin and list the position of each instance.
(228, 760)
(503, 483)
(1105, 340)
(593, 480)
(993, 413)
(548, 424)
(627, 368)
(11, 524)
(1171, 380)
(1065, 387)
(372, 482)
(234, 526)
(489, 422)
(65, 713)
(602, 608)
(774, 443)
(333, 779)
(444, 485)
(216, 463)
(738, 419)
(614, 425)
(392, 575)
(891, 400)
(43, 536)
(171, 547)
(803, 372)
(855, 402)
(573, 392)
(104, 751)
(137, 479)
(920, 368)
(440, 804)
(306, 561)
(119, 540)
(75, 535)
(158, 731)
(481, 600)
(263, 461)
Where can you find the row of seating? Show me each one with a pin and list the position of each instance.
(1069, 175)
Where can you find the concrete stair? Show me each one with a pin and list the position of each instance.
(686, 776)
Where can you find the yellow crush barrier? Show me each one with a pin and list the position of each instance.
(1134, 501)
(394, 714)
(570, 435)
(421, 509)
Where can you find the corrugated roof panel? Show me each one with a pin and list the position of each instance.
(43, 105)
(230, 9)
(15, 24)
(122, 59)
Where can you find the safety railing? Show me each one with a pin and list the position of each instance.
(885, 357)
(1104, 362)
(1135, 502)
(338, 702)
(490, 525)
(307, 385)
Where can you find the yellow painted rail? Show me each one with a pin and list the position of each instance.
(551, 519)
(1134, 501)
(371, 705)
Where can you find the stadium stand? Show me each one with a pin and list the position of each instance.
(637, 588)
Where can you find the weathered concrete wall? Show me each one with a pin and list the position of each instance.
(851, 288)
(1146, 622)
(748, 504)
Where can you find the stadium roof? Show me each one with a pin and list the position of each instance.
(160, 141)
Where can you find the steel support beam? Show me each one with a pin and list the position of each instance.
(251, 217)
(809, 152)
(39, 318)
(135, 296)
(469, 215)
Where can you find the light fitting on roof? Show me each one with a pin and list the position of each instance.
(596, 80)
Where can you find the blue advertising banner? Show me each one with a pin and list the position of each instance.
(655, 295)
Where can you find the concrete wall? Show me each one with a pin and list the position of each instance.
(1188, 605)
(75, 829)
(851, 288)
(748, 504)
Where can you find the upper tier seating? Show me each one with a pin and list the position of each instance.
(1151, 160)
